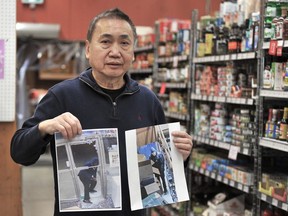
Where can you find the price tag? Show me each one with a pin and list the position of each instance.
(240, 186)
(246, 189)
(240, 56)
(232, 183)
(175, 61)
(225, 180)
(274, 202)
(233, 152)
(213, 175)
(285, 206)
(214, 143)
(246, 151)
(251, 55)
(221, 99)
(201, 170)
(263, 197)
(207, 172)
(238, 100)
(219, 178)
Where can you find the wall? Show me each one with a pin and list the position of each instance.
(75, 15)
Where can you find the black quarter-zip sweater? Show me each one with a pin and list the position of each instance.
(135, 107)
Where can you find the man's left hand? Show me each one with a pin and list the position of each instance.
(183, 142)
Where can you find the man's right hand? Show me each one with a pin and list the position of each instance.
(67, 124)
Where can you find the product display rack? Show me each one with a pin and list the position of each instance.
(140, 71)
(267, 99)
(163, 86)
(251, 151)
(162, 89)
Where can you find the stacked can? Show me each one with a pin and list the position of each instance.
(202, 119)
(242, 122)
(218, 121)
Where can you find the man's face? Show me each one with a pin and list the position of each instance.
(111, 52)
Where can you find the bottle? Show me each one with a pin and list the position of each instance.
(285, 80)
(268, 31)
(279, 118)
(215, 40)
(267, 78)
(273, 125)
(255, 26)
(250, 36)
(283, 125)
(209, 32)
(233, 43)
(268, 122)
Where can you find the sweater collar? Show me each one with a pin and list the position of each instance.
(87, 77)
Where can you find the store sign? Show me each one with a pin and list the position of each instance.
(2, 54)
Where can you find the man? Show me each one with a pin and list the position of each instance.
(103, 96)
(88, 178)
(158, 161)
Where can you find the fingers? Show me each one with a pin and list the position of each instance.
(183, 142)
(68, 125)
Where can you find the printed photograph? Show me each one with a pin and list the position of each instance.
(88, 171)
(155, 162)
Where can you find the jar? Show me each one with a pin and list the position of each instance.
(268, 31)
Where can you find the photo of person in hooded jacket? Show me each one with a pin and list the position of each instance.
(89, 178)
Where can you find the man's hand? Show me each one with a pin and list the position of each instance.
(67, 124)
(183, 142)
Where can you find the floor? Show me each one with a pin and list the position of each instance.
(38, 188)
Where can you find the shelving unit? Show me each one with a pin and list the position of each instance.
(171, 71)
(244, 102)
(142, 69)
(269, 98)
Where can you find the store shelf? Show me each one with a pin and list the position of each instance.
(177, 116)
(141, 71)
(228, 57)
(274, 94)
(266, 45)
(171, 85)
(144, 49)
(232, 100)
(172, 59)
(273, 201)
(222, 145)
(56, 76)
(274, 144)
(219, 178)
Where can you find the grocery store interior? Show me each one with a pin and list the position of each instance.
(218, 67)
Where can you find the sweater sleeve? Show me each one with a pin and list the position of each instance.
(27, 144)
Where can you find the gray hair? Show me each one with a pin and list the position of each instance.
(112, 13)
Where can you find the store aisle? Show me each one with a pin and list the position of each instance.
(38, 188)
